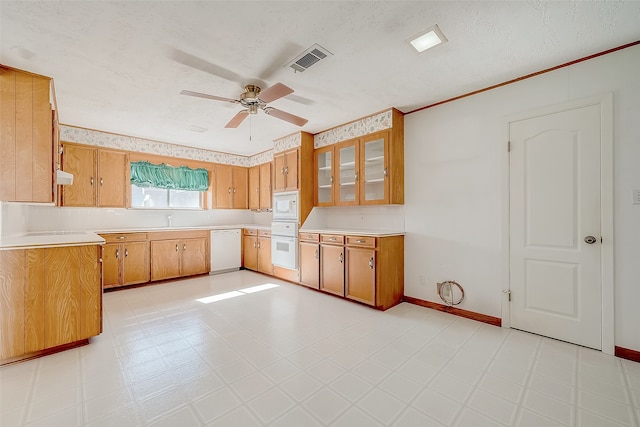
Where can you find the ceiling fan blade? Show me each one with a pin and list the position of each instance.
(205, 96)
(237, 119)
(200, 64)
(274, 92)
(287, 117)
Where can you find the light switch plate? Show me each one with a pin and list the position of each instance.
(636, 197)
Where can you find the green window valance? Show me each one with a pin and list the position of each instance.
(145, 174)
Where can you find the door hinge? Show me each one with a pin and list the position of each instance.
(508, 146)
(508, 292)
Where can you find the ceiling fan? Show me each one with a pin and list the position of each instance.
(253, 99)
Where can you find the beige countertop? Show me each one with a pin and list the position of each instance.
(346, 232)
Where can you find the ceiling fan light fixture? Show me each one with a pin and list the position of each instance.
(427, 39)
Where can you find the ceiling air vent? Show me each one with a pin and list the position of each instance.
(309, 57)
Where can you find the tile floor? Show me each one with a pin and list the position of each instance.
(288, 356)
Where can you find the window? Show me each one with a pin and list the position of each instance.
(163, 186)
(160, 198)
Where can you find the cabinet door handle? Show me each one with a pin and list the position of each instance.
(101, 182)
(229, 190)
(126, 253)
(282, 171)
(386, 172)
(371, 263)
(176, 247)
(315, 255)
(356, 177)
(122, 237)
(258, 245)
(361, 241)
(255, 245)
(234, 189)
(117, 253)
(91, 180)
(184, 247)
(340, 258)
(331, 179)
(333, 239)
(286, 170)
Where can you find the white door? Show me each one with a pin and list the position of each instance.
(555, 274)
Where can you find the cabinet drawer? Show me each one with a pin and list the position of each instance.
(309, 237)
(264, 233)
(368, 242)
(332, 239)
(249, 231)
(124, 237)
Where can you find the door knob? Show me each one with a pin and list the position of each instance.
(589, 240)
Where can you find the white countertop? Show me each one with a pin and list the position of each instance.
(50, 239)
(368, 233)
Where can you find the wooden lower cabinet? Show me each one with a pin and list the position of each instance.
(51, 297)
(173, 257)
(360, 275)
(332, 269)
(264, 255)
(310, 260)
(366, 269)
(194, 256)
(125, 262)
(256, 250)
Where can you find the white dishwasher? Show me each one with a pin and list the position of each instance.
(226, 247)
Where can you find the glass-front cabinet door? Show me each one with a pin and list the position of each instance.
(324, 176)
(373, 170)
(347, 172)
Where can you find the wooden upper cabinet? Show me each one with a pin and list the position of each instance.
(231, 187)
(81, 162)
(254, 187)
(240, 183)
(347, 174)
(324, 178)
(26, 137)
(265, 186)
(366, 171)
(260, 187)
(286, 171)
(100, 177)
(112, 178)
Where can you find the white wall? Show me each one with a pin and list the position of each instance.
(454, 163)
(13, 218)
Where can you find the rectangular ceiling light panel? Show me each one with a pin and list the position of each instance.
(427, 39)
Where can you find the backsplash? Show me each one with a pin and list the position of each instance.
(355, 129)
(379, 218)
(13, 218)
(49, 218)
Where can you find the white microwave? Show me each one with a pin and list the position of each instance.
(285, 206)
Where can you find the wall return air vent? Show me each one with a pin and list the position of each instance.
(309, 57)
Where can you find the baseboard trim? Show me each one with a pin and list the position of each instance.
(46, 352)
(626, 353)
(495, 321)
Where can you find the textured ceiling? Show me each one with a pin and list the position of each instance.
(119, 66)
